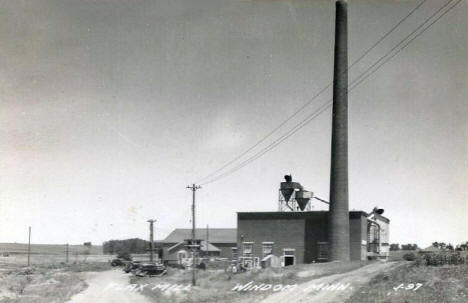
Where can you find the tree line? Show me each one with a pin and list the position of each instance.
(396, 246)
(132, 246)
(440, 245)
(449, 246)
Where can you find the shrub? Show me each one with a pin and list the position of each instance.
(444, 258)
(409, 257)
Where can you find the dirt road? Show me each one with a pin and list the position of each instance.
(311, 292)
(101, 289)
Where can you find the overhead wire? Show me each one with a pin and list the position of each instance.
(324, 106)
(274, 130)
(412, 39)
(357, 81)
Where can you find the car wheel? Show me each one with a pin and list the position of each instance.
(140, 273)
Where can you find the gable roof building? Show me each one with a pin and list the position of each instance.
(221, 242)
(203, 247)
(215, 235)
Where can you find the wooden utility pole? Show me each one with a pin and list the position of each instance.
(207, 238)
(29, 247)
(66, 251)
(151, 222)
(193, 188)
(240, 251)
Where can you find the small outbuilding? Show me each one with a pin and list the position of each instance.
(221, 243)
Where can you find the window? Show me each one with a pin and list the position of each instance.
(234, 253)
(322, 251)
(267, 248)
(373, 237)
(248, 249)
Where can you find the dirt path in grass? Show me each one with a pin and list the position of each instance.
(316, 290)
(108, 287)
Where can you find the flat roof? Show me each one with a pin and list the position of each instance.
(293, 215)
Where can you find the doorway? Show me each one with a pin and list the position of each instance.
(181, 256)
(288, 260)
(322, 254)
(288, 257)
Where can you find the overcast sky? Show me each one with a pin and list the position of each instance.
(110, 108)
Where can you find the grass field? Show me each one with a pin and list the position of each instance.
(44, 282)
(38, 259)
(22, 248)
(50, 253)
(48, 278)
(448, 283)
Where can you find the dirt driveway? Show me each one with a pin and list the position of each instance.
(100, 292)
(311, 292)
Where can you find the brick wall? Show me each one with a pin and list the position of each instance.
(285, 233)
(298, 230)
(316, 231)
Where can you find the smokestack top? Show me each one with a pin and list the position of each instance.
(342, 3)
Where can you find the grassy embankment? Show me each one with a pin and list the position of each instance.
(44, 283)
(446, 283)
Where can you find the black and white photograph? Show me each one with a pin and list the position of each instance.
(233, 151)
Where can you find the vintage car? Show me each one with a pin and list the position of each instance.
(131, 266)
(117, 262)
(150, 269)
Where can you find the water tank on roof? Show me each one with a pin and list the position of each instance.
(303, 197)
(293, 197)
(287, 193)
(287, 188)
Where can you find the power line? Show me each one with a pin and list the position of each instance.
(313, 97)
(275, 143)
(402, 41)
(357, 81)
(388, 33)
(328, 103)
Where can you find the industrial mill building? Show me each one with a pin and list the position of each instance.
(296, 234)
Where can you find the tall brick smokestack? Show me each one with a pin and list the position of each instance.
(338, 221)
